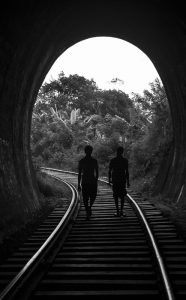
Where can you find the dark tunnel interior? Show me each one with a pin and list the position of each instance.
(34, 34)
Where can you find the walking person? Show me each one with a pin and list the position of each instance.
(87, 179)
(118, 175)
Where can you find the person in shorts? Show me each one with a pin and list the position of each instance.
(87, 179)
(118, 176)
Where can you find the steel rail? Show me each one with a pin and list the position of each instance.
(159, 259)
(11, 287)
(162, 268)
(165, 278)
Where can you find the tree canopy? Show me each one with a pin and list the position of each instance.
(72, 111)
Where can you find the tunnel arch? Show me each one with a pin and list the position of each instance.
(34, 34)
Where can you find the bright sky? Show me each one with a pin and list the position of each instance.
(105, 58)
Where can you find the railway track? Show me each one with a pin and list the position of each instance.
(140, 254)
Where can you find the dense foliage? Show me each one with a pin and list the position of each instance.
(71, 112)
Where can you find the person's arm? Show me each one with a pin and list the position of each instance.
(79, 176)
(110, 173)
(127, 173)
(97, 170)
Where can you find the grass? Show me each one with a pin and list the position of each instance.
(49, 186)
(52, 194)
(175, 212)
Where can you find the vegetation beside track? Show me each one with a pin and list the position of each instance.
(176, 212)
(52, 194)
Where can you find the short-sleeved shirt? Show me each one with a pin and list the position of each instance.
(88, 166)
(119, 169)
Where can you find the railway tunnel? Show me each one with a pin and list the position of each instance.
(32, 36)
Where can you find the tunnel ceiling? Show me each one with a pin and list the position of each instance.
(32, 36)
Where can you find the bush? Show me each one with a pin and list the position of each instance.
(44, 184)
(50, 187)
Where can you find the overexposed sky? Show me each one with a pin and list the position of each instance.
(103, 59)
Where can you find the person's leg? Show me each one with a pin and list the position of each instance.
(122, 205)
(123, 201)
(116, 204)
(89, 206)
(115, 196)
(89, 212)
(92, 199)
(85, 199)
(93, 194)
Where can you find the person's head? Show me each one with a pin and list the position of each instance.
(120, 150)
(88, 150)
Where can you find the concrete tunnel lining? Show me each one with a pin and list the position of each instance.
(33, 35)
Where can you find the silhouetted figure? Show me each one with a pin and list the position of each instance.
(118, 175)
(87, 179)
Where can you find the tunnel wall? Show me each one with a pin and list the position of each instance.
(32, 35)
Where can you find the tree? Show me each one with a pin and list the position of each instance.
(71, 112)
(157, 137)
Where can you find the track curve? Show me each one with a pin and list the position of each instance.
(32, 259)
(114, 256)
